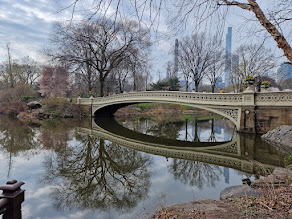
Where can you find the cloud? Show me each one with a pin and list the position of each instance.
(26, 26)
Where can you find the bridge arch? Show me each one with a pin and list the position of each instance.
(109, 109)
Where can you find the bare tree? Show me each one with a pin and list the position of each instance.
(272, 15)
(170, 73)
(197, 55)
(138, 67)
(148, 78)
(106, 44)
(6, 71)
(185, 71)
(27, 70)
(9, 70)
(251, 60)
(121, 75)
(215, 71)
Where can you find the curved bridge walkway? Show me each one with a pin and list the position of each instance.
(251, 112)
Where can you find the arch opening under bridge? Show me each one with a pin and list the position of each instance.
(110, 109)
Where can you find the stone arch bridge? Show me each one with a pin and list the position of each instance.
(251, 112)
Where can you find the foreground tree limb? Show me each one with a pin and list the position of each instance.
(272, 30)
(200, 8)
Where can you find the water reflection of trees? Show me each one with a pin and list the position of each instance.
(97, 174)
(193, 130)
(17, 136)
(166, 129)
(195, 173)
(55, 134)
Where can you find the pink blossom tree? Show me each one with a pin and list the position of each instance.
(55, 82)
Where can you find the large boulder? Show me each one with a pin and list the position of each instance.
(280, 137)
(239, 191)
(280, 176)
(34, 105)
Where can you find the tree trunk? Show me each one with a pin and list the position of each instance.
(196, 86)
(187, 86)
(120, 86)
(272, 30)
(101, 81)
(213, 88)
(135, 83)
(278, 37)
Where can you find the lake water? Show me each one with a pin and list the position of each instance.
(126, 168)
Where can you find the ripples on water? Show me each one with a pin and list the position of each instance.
(89, 169)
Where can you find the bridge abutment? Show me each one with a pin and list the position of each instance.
(247, 120)
(269, 118)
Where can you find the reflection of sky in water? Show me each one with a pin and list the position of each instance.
(223, 129)
(38, 203)
(28, 166)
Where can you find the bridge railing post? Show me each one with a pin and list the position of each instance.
(247, 118)
(11, 199)
(248, 99)
(79, 100)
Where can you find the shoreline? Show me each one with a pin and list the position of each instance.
(273, 201)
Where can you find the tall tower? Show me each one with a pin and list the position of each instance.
(228, 56)
(176, 58)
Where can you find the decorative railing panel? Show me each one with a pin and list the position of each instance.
(218, 99)
(273, 99)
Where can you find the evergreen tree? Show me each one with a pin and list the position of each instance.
(172, 84)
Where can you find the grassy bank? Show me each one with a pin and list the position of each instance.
(148, 109)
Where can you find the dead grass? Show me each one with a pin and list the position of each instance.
(275, 202)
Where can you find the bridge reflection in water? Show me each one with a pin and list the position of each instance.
(239, 153)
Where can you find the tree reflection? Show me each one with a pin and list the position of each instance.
(166, 129)
(55, 134)
(17, 136)
(97, 174)
(195, 173)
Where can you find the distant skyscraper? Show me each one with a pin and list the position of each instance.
(167, 73)
(220, 83)
(226, 174)
(228, 56)
(176, 58)
(284, 72)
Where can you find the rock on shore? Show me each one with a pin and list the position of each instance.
(280, 137)
(236, 201)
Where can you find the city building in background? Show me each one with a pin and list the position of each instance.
(228, 56)
(176, 58)
(220, 83)
(284, 72)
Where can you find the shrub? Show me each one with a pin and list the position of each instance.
(183, 107)
(16, 93)
(288, 159)
(13, 108)
(60, 107)
(71, 109)
(25, 98)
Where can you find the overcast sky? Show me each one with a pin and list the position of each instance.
(26, 24)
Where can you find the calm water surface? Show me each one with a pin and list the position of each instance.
(89, 169)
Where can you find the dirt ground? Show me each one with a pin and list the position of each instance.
(274, 203)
